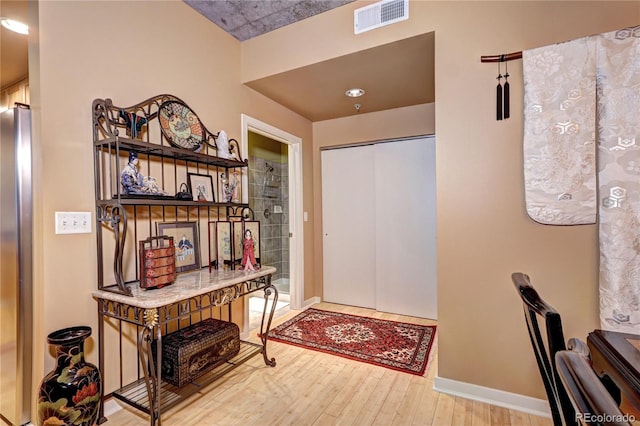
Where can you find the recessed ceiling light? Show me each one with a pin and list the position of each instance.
(14, 25)
(354, 93)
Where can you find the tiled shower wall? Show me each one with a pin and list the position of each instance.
(274, 227)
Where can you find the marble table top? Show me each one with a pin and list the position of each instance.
(187, 285)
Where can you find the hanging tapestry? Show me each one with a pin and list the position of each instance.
(562, 167)
(619, 178)
(559, 123)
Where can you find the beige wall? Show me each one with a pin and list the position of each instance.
(483, 232)
(127, 51)
(86, 51)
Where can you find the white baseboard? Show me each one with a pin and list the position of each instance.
(512, 401)
(311, 301)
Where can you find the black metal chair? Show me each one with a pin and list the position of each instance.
(592, 402)
(562, 410)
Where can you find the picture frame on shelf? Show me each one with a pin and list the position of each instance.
(219, 244)
(201, 187)
(186, 243)
(239, 229)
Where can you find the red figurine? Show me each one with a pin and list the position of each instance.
(248, 257)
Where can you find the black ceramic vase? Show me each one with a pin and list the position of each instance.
(70, 394)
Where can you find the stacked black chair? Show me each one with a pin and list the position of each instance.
(562, 410)
(591, 401)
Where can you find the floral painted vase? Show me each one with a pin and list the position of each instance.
(70, 394)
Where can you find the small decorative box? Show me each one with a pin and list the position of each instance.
(192, 351)
(157, 262)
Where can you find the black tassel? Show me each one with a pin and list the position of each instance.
(506, 100)
(499, 100)
(506, 93)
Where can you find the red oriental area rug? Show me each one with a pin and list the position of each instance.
(396, 345)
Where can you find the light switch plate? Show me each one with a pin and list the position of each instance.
(73, 222)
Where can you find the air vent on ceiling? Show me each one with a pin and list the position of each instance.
(380, 14)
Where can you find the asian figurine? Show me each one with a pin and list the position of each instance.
(229, 189)
(133, 182)
(248, 253)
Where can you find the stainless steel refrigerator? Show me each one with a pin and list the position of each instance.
(16, 307)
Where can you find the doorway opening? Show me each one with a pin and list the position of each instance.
(275, 196)
(269, 200)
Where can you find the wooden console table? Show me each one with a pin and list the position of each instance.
(154, 311)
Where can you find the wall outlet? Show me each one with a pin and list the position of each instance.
(73, 222)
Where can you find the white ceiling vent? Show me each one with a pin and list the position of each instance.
(380, 14)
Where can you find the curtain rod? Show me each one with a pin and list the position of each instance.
(502, 58)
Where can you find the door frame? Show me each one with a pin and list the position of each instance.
(296, 239)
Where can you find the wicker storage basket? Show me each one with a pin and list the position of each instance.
(189, 353)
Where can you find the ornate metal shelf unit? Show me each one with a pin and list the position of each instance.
(131, 318)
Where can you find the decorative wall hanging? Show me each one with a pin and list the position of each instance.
(588, 118)
(559, 149)
(503, 103)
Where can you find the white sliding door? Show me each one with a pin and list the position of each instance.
(405, 206)
(348, 226)
(379, 226)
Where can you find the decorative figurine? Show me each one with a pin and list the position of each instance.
(133, 182)
(229, 190)
(248, 257)
(233, 186)
(223, 145)
(133, 123)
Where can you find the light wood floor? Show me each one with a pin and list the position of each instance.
(312, 388)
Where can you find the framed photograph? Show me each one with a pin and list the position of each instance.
(219, 244)
(201, 187)
(239, 230)
(186, 243)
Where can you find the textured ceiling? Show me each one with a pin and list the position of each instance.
(245, 19)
